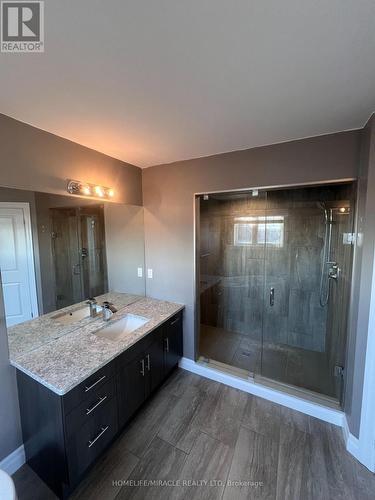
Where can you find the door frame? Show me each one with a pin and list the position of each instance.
(363, 447)
(25, 207)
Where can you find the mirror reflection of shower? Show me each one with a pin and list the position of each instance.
(330, 268)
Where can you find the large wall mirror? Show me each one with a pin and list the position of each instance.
(56, 251)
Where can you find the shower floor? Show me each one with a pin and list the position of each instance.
(287, 364)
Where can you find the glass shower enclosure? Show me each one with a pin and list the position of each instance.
(274, 271)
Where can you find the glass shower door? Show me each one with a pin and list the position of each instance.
(276, 236)
(265, 274)
(231, 269)
(304, 319)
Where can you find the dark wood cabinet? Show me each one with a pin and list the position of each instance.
(130, 388)
(154, 365)
(143, 368)
(64, 435)
(172, 343)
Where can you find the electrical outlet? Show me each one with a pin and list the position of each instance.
(140, 272)
(149, 274)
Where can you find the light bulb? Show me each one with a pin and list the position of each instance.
(86, 190)
(99, 191)
(111, 193)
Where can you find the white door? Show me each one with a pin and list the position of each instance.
(16, 263)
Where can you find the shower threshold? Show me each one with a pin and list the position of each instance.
(299, 392)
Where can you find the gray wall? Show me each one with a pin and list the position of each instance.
(39, 161)
(36, 160)
(362, 279)
(10, 429)
(168, 194)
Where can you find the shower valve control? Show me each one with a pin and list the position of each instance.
(272, 296)
(333, 271)
(338, 371)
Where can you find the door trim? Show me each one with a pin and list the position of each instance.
(366, 438)
(25, 207)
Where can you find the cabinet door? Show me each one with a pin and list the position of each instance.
(131, 388)
(172, 342)
(154, 357)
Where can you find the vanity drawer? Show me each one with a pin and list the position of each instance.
(90, 406)
(91, 439)
(86, 389)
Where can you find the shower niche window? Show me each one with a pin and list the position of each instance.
(274, 283)
(252, 230)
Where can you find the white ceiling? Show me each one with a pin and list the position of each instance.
(162, 80)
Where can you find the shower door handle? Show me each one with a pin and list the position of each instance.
(272, 296)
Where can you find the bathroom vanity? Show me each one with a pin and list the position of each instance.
(78, 391)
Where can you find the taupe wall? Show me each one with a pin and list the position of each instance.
(125, 247)
(168, 194)
(362, 279)
(39, 161)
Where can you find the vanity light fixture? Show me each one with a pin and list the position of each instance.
(86, 189)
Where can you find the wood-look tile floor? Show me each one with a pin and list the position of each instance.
(198, 439)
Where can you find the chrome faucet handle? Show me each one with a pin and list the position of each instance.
(108, 310)
(110, 306)
(91, 300)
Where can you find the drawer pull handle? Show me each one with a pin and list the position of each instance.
(167, 344)
(89, 410)
(103, 430)
(94, 384)
(142, 367)
(148, 363)
(174, 321)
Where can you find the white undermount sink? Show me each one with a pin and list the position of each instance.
(121, 328)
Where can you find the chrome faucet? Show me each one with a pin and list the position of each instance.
(108, 310)
(92, 305)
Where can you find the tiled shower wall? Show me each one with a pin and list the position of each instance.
(239, 276)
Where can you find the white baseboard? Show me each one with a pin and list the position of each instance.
(313, 409)
(353, 445)
(13, 461)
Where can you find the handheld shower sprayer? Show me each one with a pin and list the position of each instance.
(332, 273)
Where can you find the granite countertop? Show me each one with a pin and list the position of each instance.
(65, 360)
(32, 334)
